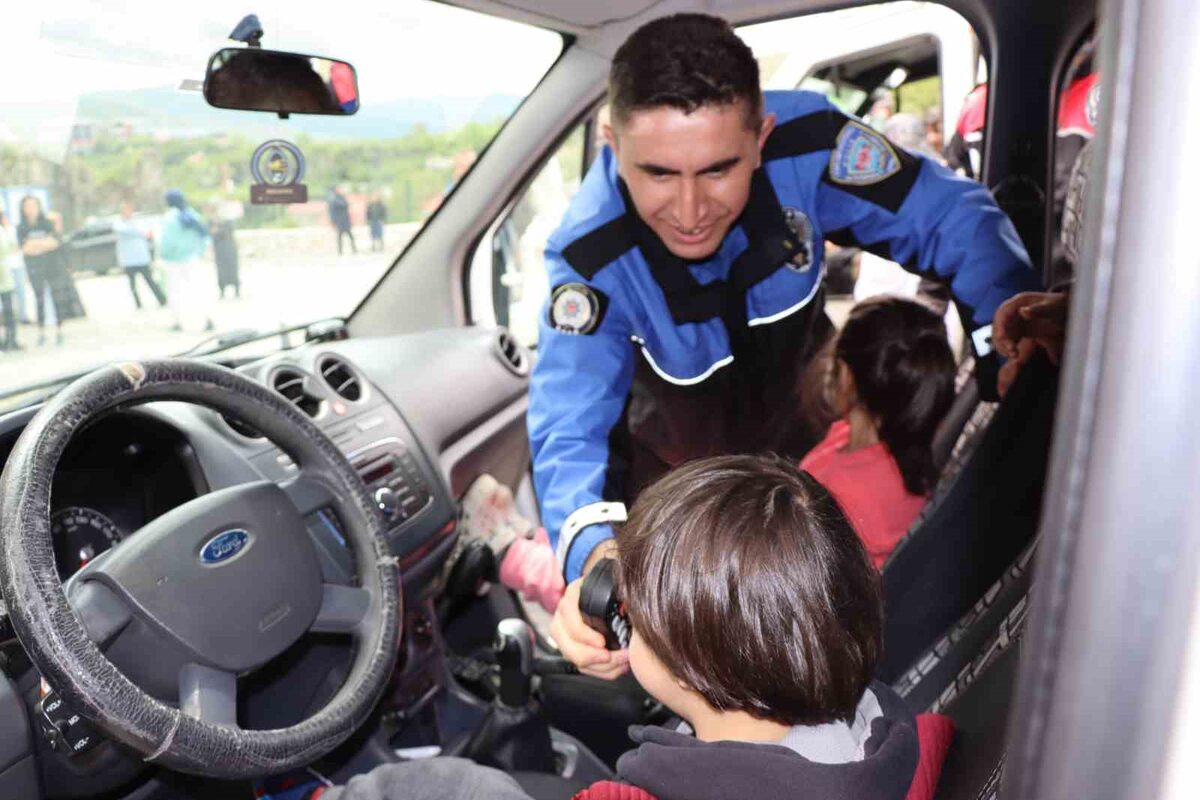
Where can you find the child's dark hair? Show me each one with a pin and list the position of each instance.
(684, 61)
(744, 578)
(903, 371)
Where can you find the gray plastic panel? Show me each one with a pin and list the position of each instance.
(15, 743)
(20, 780)
(446, 382)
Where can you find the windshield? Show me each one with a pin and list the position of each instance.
(129, 229)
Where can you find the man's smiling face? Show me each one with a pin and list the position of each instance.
(689, 173)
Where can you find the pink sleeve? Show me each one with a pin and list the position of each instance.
(529, 567)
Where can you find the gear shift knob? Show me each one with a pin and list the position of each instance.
(514, 736)
(514, 653)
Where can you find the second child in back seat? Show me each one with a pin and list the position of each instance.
(757, 618)
(894, 381)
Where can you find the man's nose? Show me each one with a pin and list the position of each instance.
(690, 204)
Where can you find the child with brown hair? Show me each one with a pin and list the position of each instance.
(757, 618)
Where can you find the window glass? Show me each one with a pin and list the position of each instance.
(105, 112)
(518, 243)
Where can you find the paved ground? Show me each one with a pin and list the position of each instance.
(297, 281)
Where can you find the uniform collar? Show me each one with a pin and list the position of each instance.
(771, 244)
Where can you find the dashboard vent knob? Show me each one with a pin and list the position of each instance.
(290, 384)
(338, 375)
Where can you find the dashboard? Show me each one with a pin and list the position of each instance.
(134, 465)
(418, 416)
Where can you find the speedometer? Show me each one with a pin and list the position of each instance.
(80, 534)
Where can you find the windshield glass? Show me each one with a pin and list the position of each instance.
(129, 229)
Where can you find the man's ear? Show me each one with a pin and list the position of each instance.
(610, 136)
(764, 131)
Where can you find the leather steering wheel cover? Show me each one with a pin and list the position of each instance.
(56, 641)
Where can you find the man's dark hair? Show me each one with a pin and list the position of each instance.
(684, 61)
(903, 371)
(744, 578)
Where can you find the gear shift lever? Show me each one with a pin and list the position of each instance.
(514, 654)
(513, 735)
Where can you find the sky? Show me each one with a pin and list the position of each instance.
(57, 50)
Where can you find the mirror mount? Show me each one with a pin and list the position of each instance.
(249, 30)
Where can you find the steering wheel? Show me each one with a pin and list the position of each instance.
(148, 640)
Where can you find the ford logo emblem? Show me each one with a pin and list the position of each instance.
(224, 546)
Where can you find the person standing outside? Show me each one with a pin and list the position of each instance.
(225, 253)
(40, 237)
(17, 269)
(376, 217)
(339, 216)
(182, 242)
(686, 298)
(133, 254)
(9, 253)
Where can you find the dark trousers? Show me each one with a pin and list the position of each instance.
(144, 271)
(37, 280)
(10, 321)
(346, 232)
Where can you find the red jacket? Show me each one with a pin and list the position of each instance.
(611, 790)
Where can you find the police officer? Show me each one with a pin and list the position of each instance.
(685, 279)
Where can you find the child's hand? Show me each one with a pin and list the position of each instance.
(582, 645)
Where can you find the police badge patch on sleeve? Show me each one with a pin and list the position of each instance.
(577, 308)
(862, 157)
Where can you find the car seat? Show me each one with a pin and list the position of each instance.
(981, 517)
(969, 674)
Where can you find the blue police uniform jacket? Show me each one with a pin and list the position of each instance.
(646, 360)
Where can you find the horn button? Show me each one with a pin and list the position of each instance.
(228, 580)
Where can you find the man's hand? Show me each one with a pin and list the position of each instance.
(579, 643)
(1037, 316)
(1008, 373)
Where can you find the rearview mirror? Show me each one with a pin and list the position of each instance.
(252, 79)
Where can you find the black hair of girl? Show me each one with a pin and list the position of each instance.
(41, 210)
(903, 372)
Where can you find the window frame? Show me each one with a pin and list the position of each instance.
(479, 299)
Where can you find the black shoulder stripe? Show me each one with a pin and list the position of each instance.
(891, 192)
(843, 237)
(808, 134)
(596, 249)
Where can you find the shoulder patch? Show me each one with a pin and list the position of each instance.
(862, 157)
(577, 308)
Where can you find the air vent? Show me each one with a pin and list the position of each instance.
(338, 375)
(512, 353)
(290, 384)
(242, 428)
